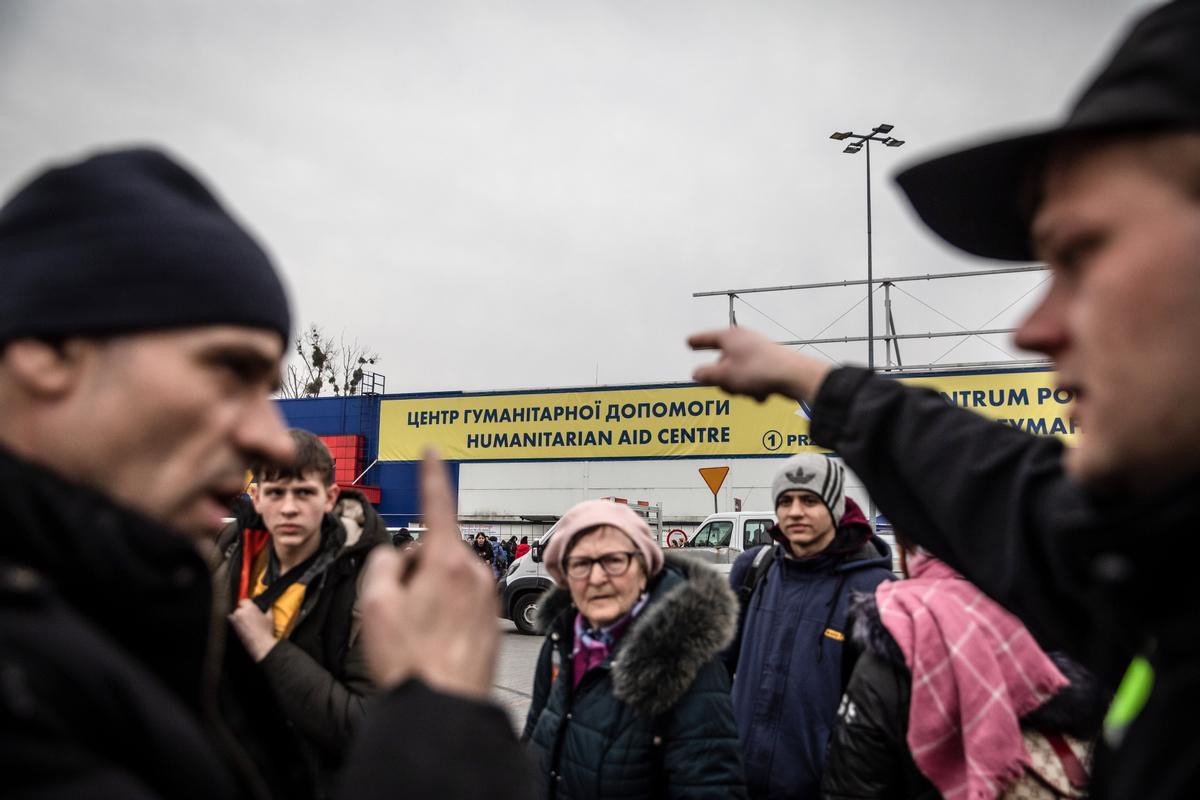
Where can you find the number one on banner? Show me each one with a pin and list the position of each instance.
(714, 477)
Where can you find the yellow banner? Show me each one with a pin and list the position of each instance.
(675, 421)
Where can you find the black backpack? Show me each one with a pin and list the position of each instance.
(750, 581)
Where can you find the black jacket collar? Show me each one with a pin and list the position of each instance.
(141, 584)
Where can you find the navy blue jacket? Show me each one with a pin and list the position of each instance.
(789, 673)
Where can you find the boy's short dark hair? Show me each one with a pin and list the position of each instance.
(312, 456)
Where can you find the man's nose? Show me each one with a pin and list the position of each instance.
(1044, 330)
(262, 433)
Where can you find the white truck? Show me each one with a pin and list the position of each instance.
(719, 540)
(722, 537)
(523, 584)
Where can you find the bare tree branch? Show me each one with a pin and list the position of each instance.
(353, 359)
(291, 384)
(318, 367)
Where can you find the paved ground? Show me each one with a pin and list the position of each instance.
(514, 673)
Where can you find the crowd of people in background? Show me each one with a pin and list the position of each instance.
(1042, 644)
(496, 553)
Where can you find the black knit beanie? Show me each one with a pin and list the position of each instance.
(129, 241)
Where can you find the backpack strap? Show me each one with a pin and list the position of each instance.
(758, 568)
(751, 579)
(281, 584)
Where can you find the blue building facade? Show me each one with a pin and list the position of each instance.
(399, 502)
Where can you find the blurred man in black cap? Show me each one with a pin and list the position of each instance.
(141, 335)
(1091, 545)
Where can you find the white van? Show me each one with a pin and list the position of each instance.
(523, 584)
(722, 537)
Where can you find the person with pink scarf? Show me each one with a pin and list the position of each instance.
(952, 697)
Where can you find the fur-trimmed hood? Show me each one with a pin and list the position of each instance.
(690, 618)
(1077, 710)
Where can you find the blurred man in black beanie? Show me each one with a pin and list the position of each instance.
(141, 336)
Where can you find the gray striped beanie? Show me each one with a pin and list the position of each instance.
(818, 474)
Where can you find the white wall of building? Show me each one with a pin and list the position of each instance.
(506, 490)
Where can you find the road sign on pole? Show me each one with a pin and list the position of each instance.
(714, 477)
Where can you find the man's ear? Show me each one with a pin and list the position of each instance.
(331, 496)
(47, 369)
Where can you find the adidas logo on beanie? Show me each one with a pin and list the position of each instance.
(815, 473)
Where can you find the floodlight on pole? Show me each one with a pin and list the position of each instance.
(878, 134)
(860, 140)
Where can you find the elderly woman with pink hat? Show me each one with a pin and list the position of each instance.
(630, 698)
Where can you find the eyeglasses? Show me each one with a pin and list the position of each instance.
(613, 564)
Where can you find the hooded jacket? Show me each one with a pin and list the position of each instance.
(869, 756)
(654, 719)
(789, 675)
(1094, 575)
(318, 671)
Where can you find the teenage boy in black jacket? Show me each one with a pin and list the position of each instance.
(290, 579)
(1086, 545)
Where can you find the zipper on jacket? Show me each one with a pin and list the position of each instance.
(560, 734)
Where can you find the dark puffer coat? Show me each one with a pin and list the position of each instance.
(868, 752)
(655, 719)
(318, 672)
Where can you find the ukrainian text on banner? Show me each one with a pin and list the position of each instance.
(673, 421)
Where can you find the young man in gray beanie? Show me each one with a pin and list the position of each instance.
(787, 661)
(141, 335)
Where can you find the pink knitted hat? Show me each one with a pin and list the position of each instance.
(593, 514)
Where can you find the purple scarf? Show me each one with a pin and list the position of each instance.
(593, 645)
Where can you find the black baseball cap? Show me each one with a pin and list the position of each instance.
(977, 199)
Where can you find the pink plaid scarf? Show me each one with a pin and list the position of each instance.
(975, 670)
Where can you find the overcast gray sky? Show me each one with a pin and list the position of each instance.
(525, 194)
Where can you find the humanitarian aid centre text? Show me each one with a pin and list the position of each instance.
(673, 421)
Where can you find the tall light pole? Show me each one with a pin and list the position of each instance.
(858, 142)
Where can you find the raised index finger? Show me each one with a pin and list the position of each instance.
(707, 340)
(437, 505)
